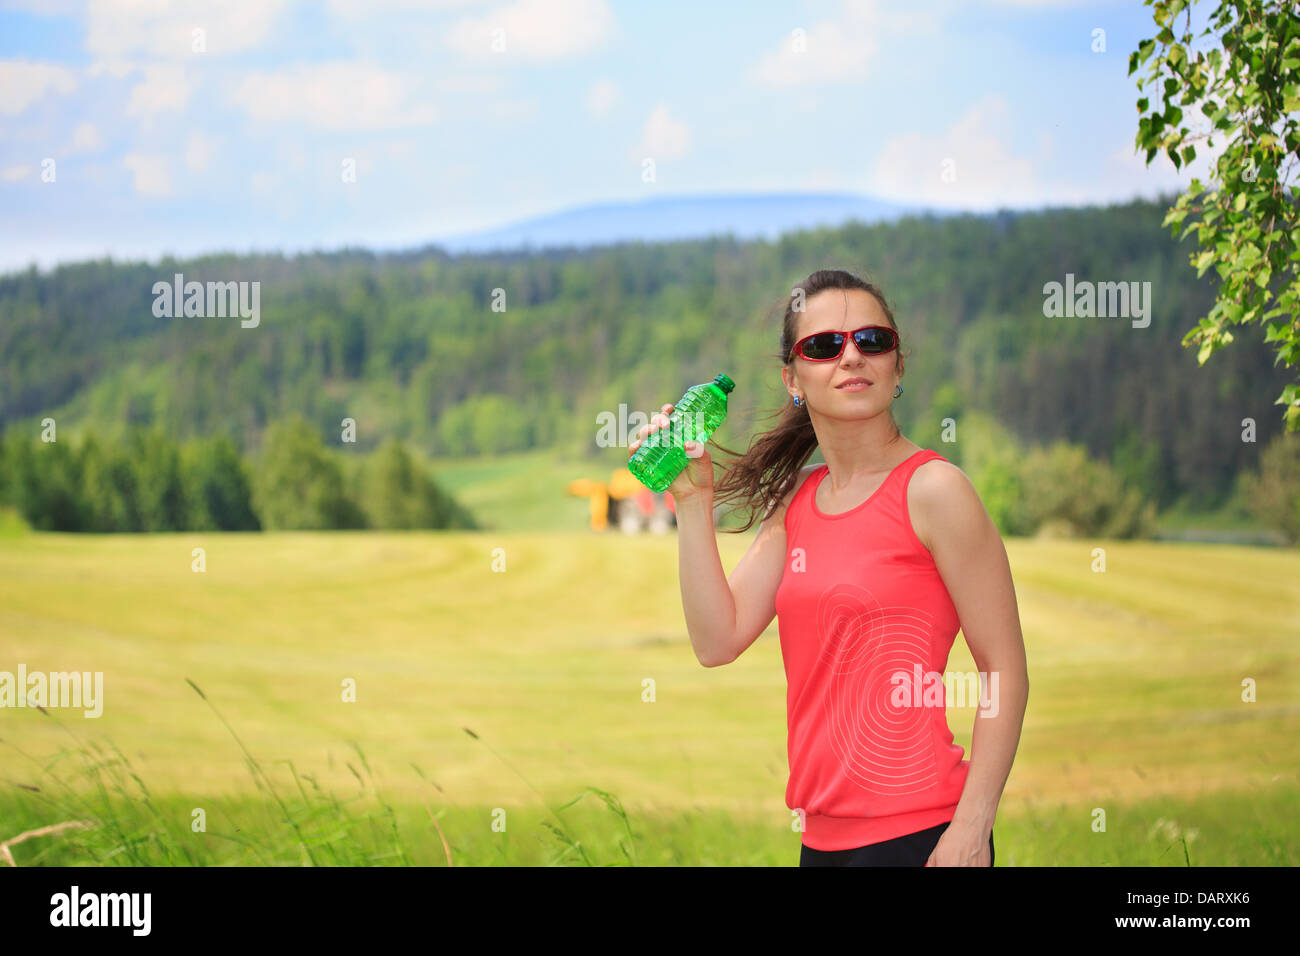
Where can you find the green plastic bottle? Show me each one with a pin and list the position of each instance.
(696, 416)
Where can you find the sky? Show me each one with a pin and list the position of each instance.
(139, 128)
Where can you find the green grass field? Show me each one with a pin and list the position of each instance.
(484, 695)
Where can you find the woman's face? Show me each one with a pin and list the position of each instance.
(843, 310)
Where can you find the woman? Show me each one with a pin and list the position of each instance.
(870, 563)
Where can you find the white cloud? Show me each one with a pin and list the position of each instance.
(199, 149)
(827, 52)
(292, 157)
(982, 172)
(334, 96)
(365, 9)
(12, 174)
(534, 30)
(1037, 4)
(843, 49)
(820, 178)
(517, 110)
(23, 82)
(263, 184)
(664, 137)
(461, 83)
(151, 173)
(601, 97)
(86, 139)
(164, 88)
(117, 29)
(1124, 172)
(116, 68)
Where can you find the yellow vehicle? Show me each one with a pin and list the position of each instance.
(625, 503)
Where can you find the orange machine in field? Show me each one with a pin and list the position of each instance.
(625, 503)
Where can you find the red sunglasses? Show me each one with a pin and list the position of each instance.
(827, 346)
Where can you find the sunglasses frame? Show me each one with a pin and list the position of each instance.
(798, 346)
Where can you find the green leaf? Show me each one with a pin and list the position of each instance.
(1239, 203)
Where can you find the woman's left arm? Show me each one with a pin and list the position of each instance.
(952, 522)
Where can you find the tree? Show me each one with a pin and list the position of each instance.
(160, 488)
(45, 484)
(1273, 493)
(217, 487)
(400, 493)
(111, 487)
(397, 489)
(299, 484)
(1246, 221)
(1061, 484)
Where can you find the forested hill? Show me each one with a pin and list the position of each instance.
(411, 345)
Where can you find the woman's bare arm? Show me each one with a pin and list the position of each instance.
(724, 616)
(952, 522)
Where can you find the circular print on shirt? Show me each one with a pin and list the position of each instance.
(875, 656)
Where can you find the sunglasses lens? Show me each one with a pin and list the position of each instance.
(824, 346)
(874, 341)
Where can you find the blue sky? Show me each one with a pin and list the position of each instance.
(460, 115)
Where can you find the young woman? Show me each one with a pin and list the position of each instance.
(870, 563)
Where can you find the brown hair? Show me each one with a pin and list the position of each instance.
(761, 477)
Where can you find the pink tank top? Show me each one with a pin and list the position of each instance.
(864, 616)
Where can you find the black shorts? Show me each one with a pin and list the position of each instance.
(911, 849)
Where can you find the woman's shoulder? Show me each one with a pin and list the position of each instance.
(936, 475)
(939, 494)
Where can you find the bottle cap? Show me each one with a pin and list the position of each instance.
(724, 383)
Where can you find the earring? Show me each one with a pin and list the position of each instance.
(899, 391)
(796, 400)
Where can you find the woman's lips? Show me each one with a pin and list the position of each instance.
(854, 387)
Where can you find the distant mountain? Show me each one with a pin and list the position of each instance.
(764, 216)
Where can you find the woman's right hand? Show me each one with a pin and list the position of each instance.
(696, 478)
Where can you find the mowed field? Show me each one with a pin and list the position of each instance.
(487, 696)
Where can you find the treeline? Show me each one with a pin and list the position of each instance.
(1060, 489)
(148, 482)
(487, 354)
(1054, 489)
